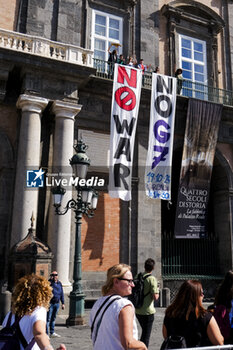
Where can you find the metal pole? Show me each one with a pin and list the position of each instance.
(76, 312)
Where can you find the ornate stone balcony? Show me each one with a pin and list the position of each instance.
(47, 48)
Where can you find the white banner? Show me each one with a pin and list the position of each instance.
(125, 105)
(161, 134)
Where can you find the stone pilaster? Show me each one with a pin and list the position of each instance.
(60, 226)
(28, 158)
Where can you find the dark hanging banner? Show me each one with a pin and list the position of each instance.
(200, 141)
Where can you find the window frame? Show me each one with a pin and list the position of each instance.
(106, 38)
(192, 60)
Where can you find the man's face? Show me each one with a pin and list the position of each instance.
(54, 276)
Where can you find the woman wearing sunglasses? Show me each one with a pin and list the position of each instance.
(186, 317)
(112, 318)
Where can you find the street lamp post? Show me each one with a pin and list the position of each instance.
(85, 203)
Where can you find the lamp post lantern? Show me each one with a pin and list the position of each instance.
(85, 203)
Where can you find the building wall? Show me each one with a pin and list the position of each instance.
(9, 14)
(101, 235)
(190, 29)
(8, 146)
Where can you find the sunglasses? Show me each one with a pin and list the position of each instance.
(126, 279)
(54, 274)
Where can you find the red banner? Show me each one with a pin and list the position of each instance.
(125, 105)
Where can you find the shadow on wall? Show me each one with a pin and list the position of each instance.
(101, 244)
(94, 238)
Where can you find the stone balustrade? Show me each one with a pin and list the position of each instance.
(44, 47)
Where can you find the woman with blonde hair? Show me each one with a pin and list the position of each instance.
(112, 318)
(30, 300)
(187, 317)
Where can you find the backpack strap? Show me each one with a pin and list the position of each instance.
(101, 317)
(9, 320)
(98, 311)
(26, 345)
(144, 278)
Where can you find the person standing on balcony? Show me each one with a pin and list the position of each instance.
(179, 77)
(121, 60)
(130, 61)
(112, 55)
(142, 66)
(58, 296)
(112, 59)
(145, 314)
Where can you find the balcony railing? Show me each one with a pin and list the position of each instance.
(47, 48)
(189, 89)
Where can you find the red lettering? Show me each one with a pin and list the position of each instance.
(128, 101)
(132, 80)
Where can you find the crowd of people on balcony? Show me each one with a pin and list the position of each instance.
(129, 61)
(132, 61)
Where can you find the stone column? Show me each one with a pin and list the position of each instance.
(28, 158)
(60, 225)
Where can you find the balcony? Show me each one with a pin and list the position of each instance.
(189, 89)
(46, 48)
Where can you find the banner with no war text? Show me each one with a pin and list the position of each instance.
(125, 105)
(161, 134)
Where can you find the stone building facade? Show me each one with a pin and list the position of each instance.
(52, 93)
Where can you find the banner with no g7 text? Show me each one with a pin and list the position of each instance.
(161, 133)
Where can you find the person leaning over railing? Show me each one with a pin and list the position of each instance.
(187, 317)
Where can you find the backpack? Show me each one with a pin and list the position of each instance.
(137, 296)
(174, 342)
(221, 314)
(11, 336)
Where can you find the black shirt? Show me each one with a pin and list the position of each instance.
(194, 329)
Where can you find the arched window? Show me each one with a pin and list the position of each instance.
(193, 30)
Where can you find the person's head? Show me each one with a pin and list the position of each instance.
(54, 276)
(188, 299)
(119, 280)
(30, 291)
(157, 69)
(141, 60)
(149, 265)
(178, 72)
(114, 52)
(225, 292)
